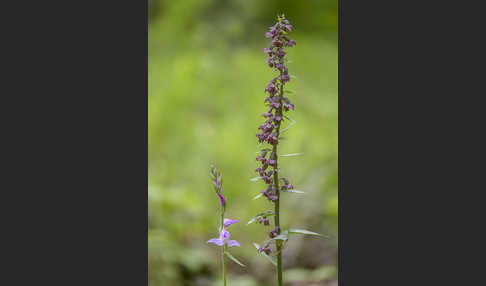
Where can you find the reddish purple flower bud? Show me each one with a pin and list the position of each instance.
(261, 137)
(274, 232)
(261, 159)
(270, 88)
(266, 127)
(268, 180)
(281, 53)
(287, 28)
(266, 249)
(221, 200)
(272, 139)
(267, 114)
(275, 104)
(272, 163)
(268, 35)
(276, 118)
(285, 78)
(276, 42)
(268, 51)
(266, 222)
(290, 43)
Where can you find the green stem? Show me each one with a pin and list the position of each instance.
(223, 248)
(276, 183)
(223, 260)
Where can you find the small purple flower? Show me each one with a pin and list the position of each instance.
(290, 43)
(222, 201)
(287, 28)
(267, 51)
(268, 35)
(224, 238)
(227, 222)
(274, 232)
(285, 78)
(270, 88)
(280, 67)
(276, 42)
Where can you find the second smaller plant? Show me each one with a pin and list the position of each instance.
(224, 236)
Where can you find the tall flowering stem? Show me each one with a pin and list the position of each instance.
(270, 130)
(224, 236)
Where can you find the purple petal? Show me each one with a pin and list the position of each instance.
(227, 222)
(233, 243)
(216, 241)
(221, 199)
(224, 235)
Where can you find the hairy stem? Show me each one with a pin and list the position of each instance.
(276, 184)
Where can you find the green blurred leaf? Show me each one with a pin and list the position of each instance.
(255, 179)
(264, 149)
(291, 124)
(293, 191)
(303, 231)
(291, 155)
(270, 258)
(234, 259)
(284, 236)
(258, 196)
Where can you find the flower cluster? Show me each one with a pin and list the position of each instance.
(218, 184)
(270, 129)
(276, 102)
(276, 61)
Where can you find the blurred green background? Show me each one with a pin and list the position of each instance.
(206, 80)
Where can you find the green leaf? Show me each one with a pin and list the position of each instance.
(264, 149)
(291, 155)
(293, 191)
(265, 213)
(255, 179)
(303, 231)
(270, 258)
(291, 124)
(234, 259)
(258, 196)
(284, 236)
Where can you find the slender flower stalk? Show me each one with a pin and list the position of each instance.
(224, 236)
(270, 133)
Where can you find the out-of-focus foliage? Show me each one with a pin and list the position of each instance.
(206, 80)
